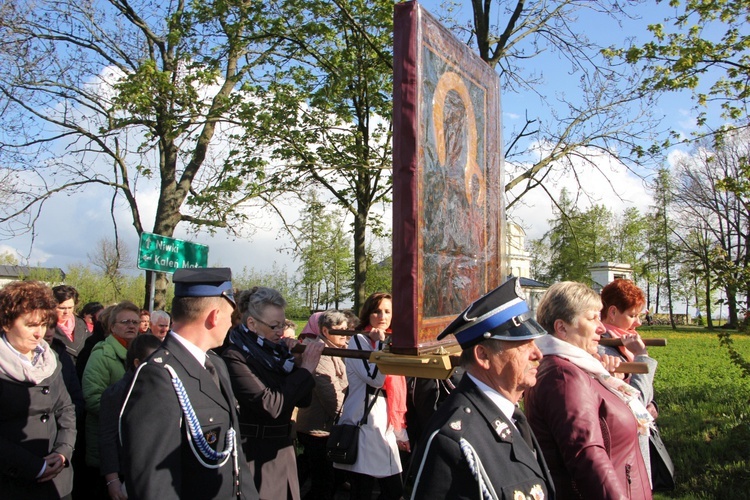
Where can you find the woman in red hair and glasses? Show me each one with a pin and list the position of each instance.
(622, 305)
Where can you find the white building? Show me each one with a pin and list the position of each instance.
(50, 275)
(518, 259)
(603, 273)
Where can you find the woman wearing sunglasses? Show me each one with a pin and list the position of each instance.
(268, 381)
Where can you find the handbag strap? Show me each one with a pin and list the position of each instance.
(369, 406)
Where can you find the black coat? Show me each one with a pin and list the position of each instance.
(35, 420)
(158, 461)
(80, 334)
(70, 377)
(469, 419)
(267, 399)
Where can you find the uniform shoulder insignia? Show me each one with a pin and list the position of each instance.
(158, 360)
(502, 430)
(455, 425)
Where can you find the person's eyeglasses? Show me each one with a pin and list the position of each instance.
(278, 327)
(129, 322)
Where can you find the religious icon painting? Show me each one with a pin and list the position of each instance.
(448, 214)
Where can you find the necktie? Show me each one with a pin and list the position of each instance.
(210, 368)
(523, 427)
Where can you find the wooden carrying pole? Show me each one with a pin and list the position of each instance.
(437, 365)
(610, 342)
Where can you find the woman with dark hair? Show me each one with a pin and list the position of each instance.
(268, 382)
(88, 314)
(37, 418)
(109, 416)
(70, 329)
(622, 304)
(101, 331)
(586, 420)
(384, 433)
(145, 326)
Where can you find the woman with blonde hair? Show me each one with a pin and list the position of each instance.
(586, 420)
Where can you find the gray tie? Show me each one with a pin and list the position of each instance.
(210, 368)
(523, 427)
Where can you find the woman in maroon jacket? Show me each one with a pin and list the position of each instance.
(587, 421)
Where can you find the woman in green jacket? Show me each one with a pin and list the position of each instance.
(105, 367)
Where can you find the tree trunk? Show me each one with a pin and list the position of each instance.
(732, 316)
(709, 320)
(360, 259)
(160, 299)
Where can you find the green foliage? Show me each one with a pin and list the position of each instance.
(143, 88)
(96, 286)
(703, 413)
(278, 279)
(712, 198)
(706, 50)
(379, 270)
(579, 238)
(50, 276)
(322, 112)
(8, 259)
(324, 252)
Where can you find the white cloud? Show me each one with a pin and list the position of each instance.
(610, 183)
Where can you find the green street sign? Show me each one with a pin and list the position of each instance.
(166, 255)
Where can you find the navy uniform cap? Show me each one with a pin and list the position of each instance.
(204, 282)
(500, 314)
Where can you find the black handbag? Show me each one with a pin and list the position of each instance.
(662, 468)
(343, 441)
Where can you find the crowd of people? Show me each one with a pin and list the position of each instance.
(217, 400)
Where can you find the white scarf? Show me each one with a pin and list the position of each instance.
(552, 346)
(14, 368)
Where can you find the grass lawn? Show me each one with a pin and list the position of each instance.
(704, 406)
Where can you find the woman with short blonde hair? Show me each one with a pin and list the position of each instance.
(587, 421)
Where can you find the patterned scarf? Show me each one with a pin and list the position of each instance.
(275, 357)
(15, 367)
(552, 346)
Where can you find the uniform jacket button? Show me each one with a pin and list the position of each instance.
(45, 390)
(44, 417)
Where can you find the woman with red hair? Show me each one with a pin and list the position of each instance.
(622, 304)
(37, 418)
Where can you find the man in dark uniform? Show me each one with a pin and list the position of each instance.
(478, 444)
(179, 425)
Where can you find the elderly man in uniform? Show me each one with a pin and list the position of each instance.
(478, 443)
(194, 450)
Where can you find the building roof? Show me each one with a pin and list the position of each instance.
(530, 283)
(16, 272)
